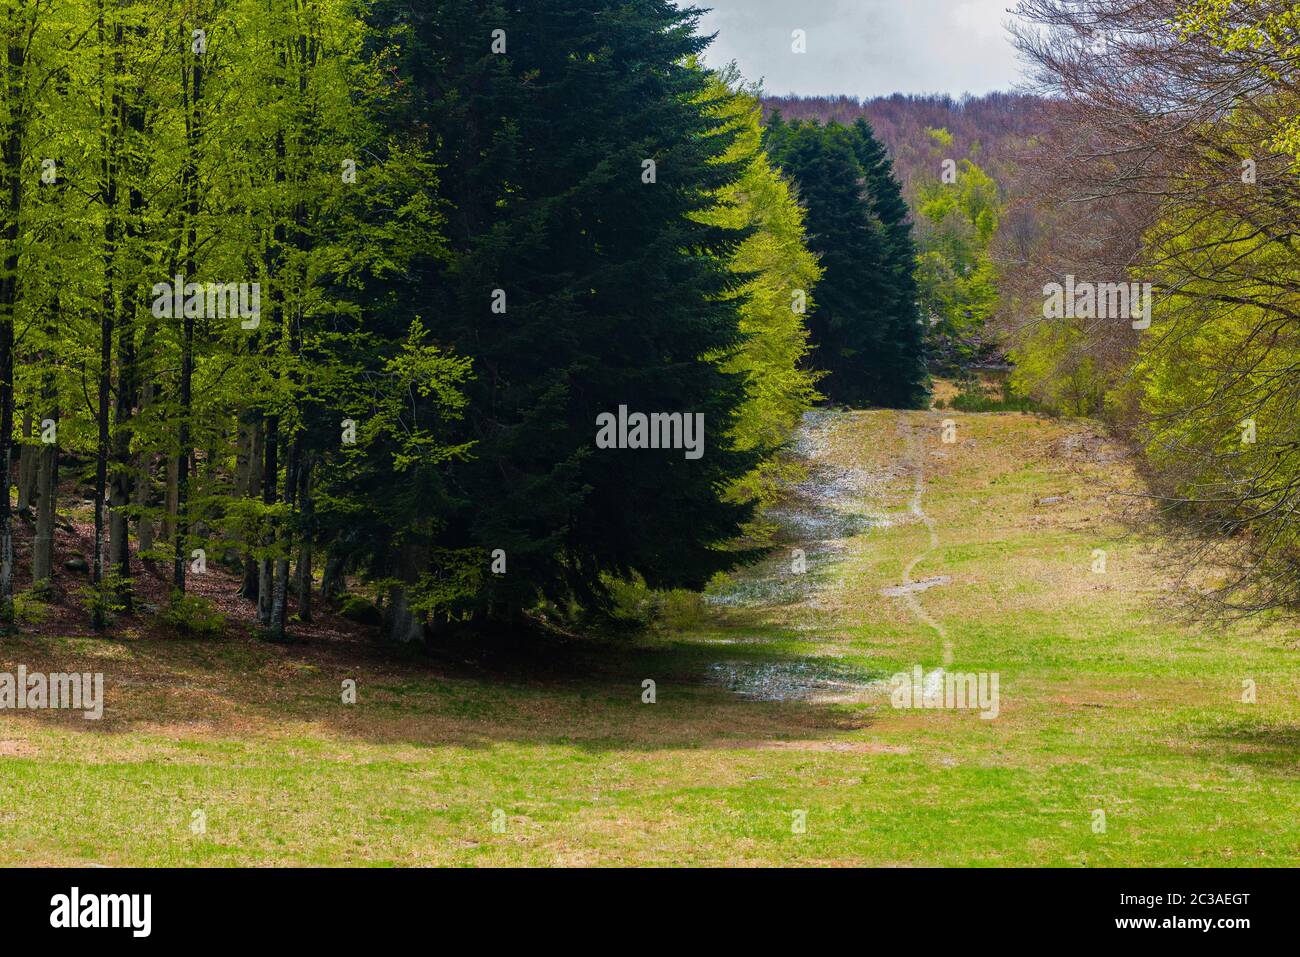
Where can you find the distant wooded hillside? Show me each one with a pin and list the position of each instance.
(998, 122)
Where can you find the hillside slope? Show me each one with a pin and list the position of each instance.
(772, 739)
(996, 126)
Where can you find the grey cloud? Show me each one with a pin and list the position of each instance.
(865, 47)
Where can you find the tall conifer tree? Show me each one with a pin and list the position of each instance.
(575, 153)
(867, 328)
(903, 372)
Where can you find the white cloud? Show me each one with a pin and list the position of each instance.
(866, 47)
(982, 18)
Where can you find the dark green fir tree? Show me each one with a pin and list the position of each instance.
(573, 149)
(866, 328)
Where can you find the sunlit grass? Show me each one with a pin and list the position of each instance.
(1106, 705)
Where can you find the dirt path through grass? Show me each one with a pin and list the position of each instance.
(909, 590)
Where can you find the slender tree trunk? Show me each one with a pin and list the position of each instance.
(274, 572)
(122, 492)
(143, 496)
(252, 488)
(27, 465)
(168, 531)
(15, 83)
(179, 469)
(47, 490)
(279, 591)
(101, 453)
(401, 624)
(206, 478)
(193, 138)
(284, 543)
(270, 482)
(304, 548)
(265, 571)
(47, 472)
(109, 133)
(331, 582)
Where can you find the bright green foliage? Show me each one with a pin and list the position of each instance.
(776, 274)
(1268, 33)
(1055, 369)
(213, 142)
(955, 272)
(1216, 382)
(385, 177)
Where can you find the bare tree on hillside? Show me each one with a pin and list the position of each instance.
(1165, 164)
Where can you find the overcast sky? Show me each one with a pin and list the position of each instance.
(865, 47)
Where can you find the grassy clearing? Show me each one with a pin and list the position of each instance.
(1105, 704)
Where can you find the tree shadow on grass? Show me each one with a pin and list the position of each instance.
(1274, 747)
(581, 694)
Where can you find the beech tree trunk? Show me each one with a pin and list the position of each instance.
(124, 473)
(270, 482)
(401, 624)
(284, 543)
(27, 465)
(304, 548)
(46, 491)
(168, 531)
(192, 85)
(331, 583)
(46, 499)
(143, 501)
(250, 588)
(13, 145)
